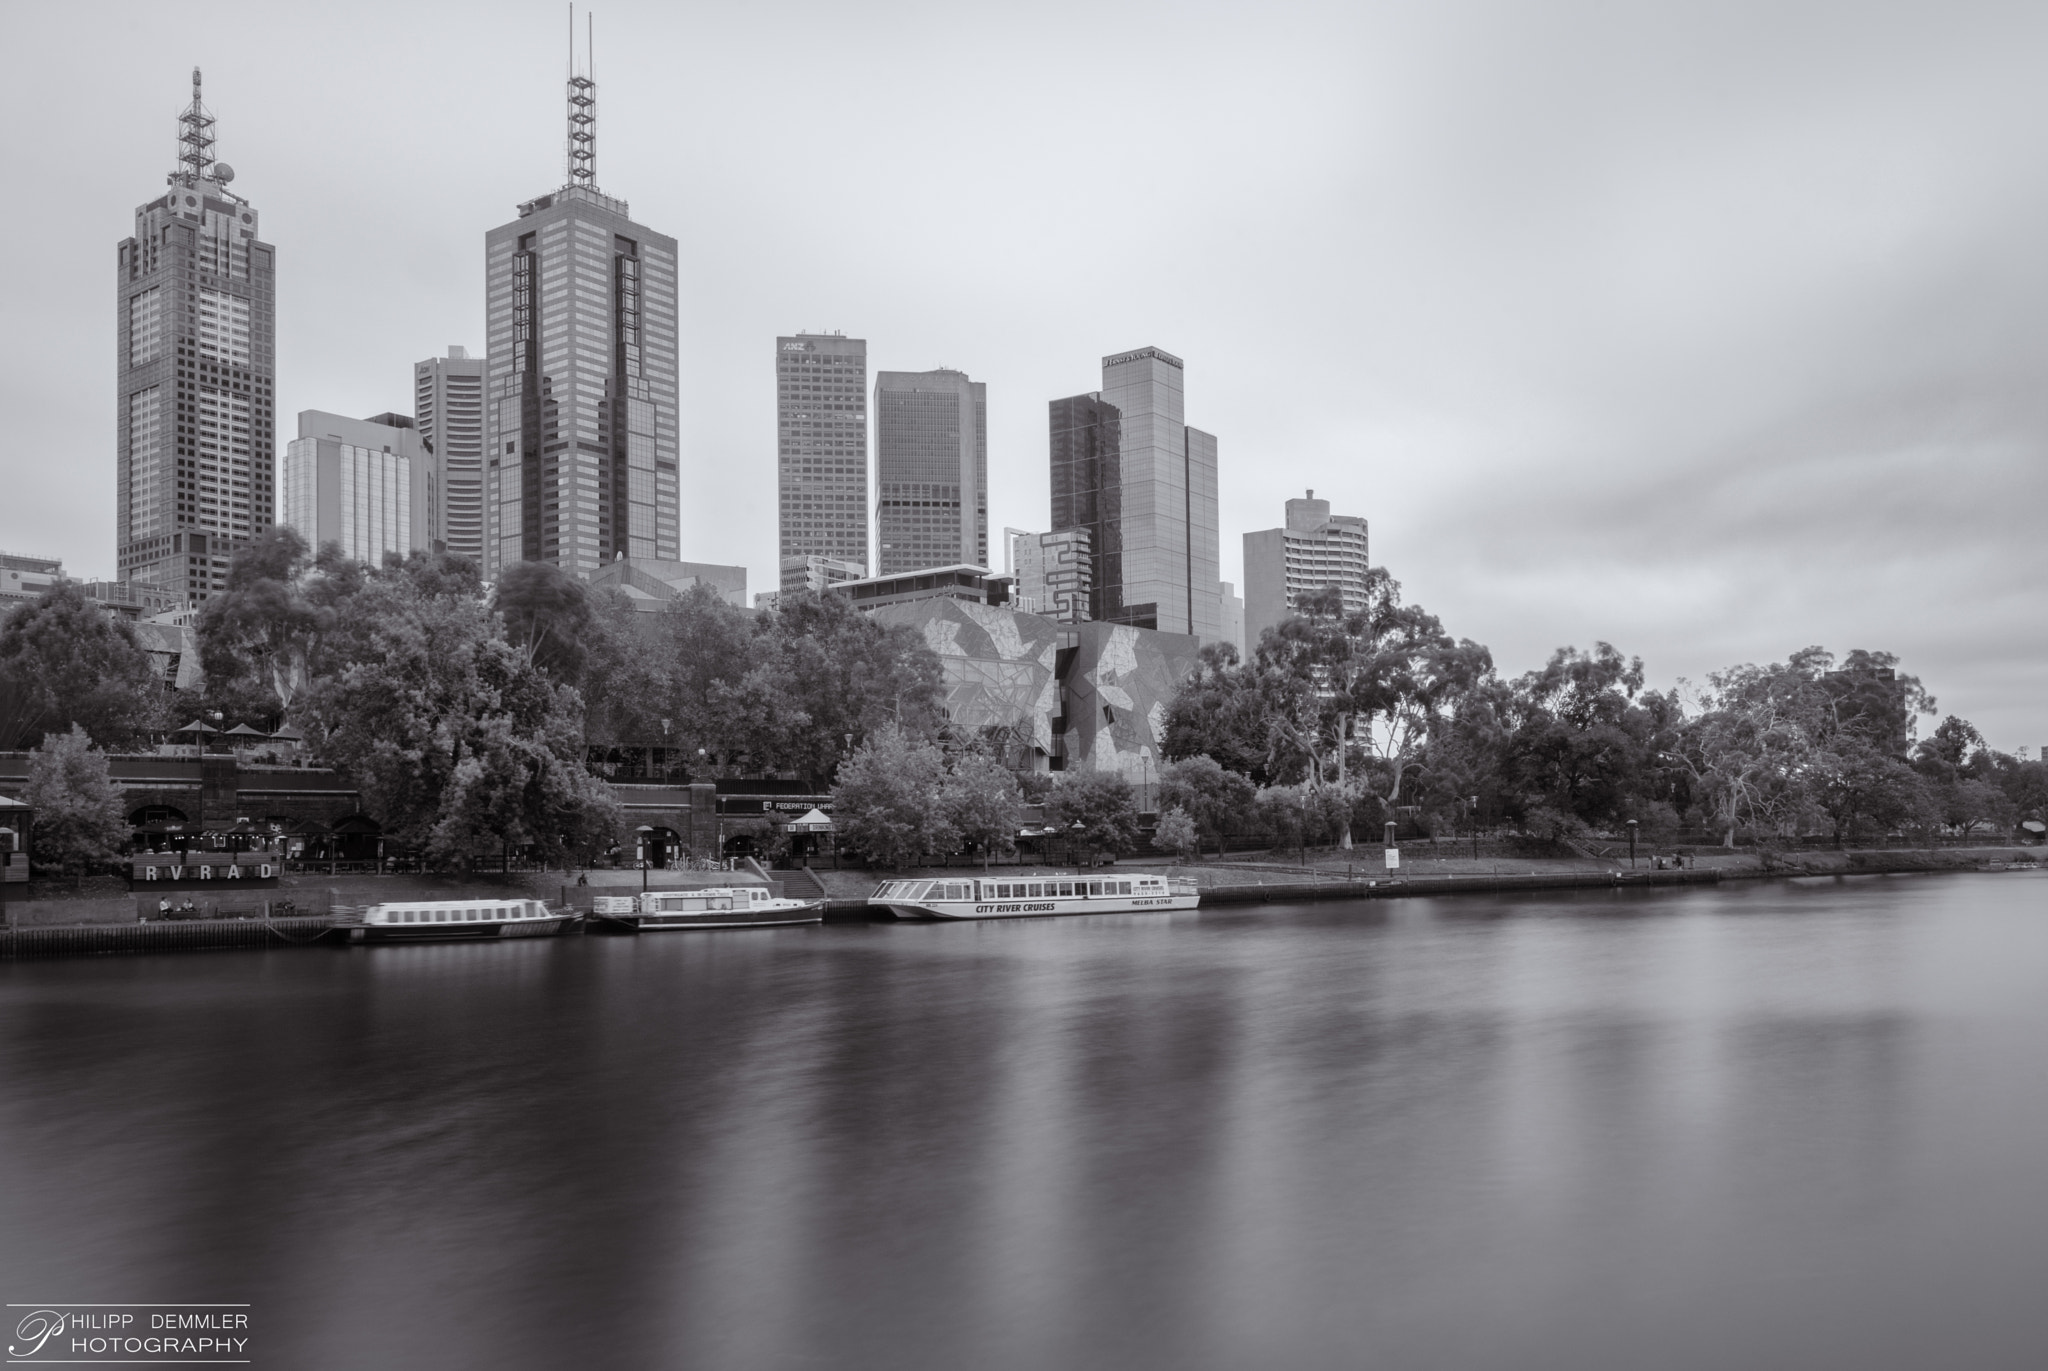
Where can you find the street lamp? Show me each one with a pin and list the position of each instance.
(1631, 844)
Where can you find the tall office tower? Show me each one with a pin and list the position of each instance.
(365, 484)
(197, 317)
(931, 470)
(1316, 549)
(580, 394)
(448, 410)
(821, 382)
(1126, 467)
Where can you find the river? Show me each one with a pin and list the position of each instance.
(1788, 1124)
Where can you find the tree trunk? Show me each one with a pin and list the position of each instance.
(1343, 747)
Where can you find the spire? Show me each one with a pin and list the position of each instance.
(582, 109)
(195, 137)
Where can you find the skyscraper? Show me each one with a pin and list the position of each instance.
(1315, 549)
(822, 464)
(197, 311)
(931, 470)
(1126, 466)
(448, 410)
(580, 395)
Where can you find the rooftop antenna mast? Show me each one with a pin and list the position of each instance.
(195, 138)
(583, 108)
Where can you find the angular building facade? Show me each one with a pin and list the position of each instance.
(931, 470)
(580, 393)
(1055, 573)
(1126, 467)
(195, 376)
(1314, 550)
(448, 411)
(821, 451)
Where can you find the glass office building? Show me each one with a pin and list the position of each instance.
(1126, 467)
(931, 470)
(822, 451)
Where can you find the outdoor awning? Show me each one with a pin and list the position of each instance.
(288, 734)
(817, 821)
(244, 731)
(198, 726)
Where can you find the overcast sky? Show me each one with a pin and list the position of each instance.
(1712, 330)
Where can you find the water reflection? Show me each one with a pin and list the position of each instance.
(1793, 1124)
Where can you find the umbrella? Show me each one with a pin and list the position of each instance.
(244, 731)
(198, 726)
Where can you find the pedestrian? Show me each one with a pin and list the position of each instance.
(163, 907)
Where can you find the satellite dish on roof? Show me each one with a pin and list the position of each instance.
(223, 173)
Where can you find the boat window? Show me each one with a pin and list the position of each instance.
(405, 914)
(1124, 888)
(957, 892)
(1094, 887)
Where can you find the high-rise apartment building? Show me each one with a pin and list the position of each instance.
(822, 449)
(196, 322)
(1126, 467)
(1315, 549)
(364, 484)
(931, 470)
(580, 394)
(448, 411)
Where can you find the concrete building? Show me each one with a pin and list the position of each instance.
(580, 392)
(194, 412)
(1054, 573)
(1126, 467)
(448, 411)
(818, 573)
(1314, 550)
(653, 584)
(968, 584)
(24, 580)
(931, 470)
(821, 449)
(1233, 619)
(365, 484)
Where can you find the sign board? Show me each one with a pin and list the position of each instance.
(1393, 859)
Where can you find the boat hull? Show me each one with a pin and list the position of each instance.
(550, 927)
(811, 913)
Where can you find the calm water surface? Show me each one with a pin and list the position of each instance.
(1783, 1125)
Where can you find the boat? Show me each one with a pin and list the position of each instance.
(713, 907)
(432, 920)
(1034, 897)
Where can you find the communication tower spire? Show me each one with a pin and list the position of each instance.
(195, 137)
(582, 109)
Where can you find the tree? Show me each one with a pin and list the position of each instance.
(983, 804)
(455, 738)
(1213, 799)
(843, 675)
(889, 801)
(258, 638)
(1177, 831)
(547, 615)
(1583, 743)
(1097, 810)
(65, 662)
(1219, 713)
(80, 822)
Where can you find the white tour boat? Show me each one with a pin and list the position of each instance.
(714, 907)
(422, 920)
(1026, 897)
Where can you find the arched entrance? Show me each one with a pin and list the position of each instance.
(656, 846)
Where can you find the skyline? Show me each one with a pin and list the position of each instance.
(1755, 367)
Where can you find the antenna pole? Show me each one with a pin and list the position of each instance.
(582, 115)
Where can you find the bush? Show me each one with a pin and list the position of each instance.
(80, 822)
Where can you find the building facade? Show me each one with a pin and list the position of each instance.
(931, 470)
(364, 484)
(1055, 573)
(580, 392)
(448, 411)
(653, 584)
(817, 573)
(1233, 619)
(195, 376)
(822, 449)
(1314, 550)
(1126, 467)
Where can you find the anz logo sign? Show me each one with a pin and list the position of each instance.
(796, 347)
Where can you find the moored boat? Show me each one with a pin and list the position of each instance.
(431, 920)
(1035, 897)
(712, 907)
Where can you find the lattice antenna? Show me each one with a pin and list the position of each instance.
(582, 110)
(195, 137)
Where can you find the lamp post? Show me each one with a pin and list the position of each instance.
(1475, 828)
(1631, 844)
